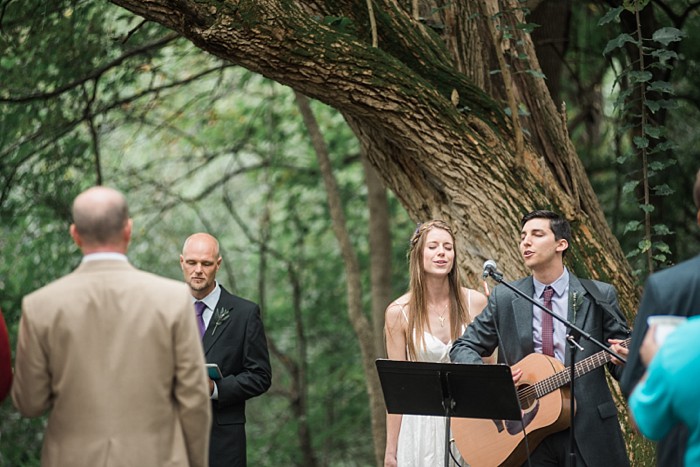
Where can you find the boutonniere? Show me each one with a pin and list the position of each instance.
(222, 315)
(576, 302)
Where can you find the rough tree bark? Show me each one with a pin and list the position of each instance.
(438, 135)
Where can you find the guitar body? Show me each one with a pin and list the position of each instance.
(490, 443)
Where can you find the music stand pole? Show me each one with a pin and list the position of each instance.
(448, 403)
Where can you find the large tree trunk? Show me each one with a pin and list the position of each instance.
(359, 322)
(380, 253)
(438, 136)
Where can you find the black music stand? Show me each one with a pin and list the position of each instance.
(448, 390)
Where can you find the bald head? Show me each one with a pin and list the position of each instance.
(202, 240)
(101, 220)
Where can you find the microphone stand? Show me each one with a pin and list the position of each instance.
(573, 345)
(574, 333)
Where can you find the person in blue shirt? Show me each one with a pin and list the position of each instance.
(671, 291)
(668, 392)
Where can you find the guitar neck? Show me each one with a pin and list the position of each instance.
(563, 377)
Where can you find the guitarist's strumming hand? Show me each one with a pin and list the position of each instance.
(517, 373)
(617, 347)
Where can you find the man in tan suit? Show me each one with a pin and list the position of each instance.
(114, 354)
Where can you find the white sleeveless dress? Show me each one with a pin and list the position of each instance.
(422, 437)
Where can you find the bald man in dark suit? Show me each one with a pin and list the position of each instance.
(234, 339)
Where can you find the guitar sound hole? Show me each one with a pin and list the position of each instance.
(527, 397)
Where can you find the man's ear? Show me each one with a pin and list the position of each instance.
(127, 230)
(75, 235)
(562, 245)
(698, 216)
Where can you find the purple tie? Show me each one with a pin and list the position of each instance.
(199, 308)
(548, 323)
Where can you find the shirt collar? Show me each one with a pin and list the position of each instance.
(104, 256)
(559, 285)
(213, 298)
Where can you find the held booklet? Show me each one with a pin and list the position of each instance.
(213, 371)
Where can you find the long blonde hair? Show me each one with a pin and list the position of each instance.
(417, 307)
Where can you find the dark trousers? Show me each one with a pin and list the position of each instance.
(554, 451)
(227, 446)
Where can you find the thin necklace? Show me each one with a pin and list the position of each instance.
(441, 316)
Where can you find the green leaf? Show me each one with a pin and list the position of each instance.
(626, 93)
(664, 55)
(658, 166)
(661, 229)
(667, 35)
(632, 226)
(647, 208)
(660, 86)
(668, 104)
(634, 5)
(653, 131)
(662, 247)
(641, 142)
(653, 106)
(640, 76)
(633, 253)
(535, 73)
(612, 15)
(644, 245)
(663, 190)
(618, 42)
(667, 146)
(339, 23)
(629, 187)
(527, 27)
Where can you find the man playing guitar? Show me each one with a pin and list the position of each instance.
(518, 329)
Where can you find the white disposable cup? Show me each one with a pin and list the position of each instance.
(665, 324)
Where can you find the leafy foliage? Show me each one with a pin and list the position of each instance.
(642, 104)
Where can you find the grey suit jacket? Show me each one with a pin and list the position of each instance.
(114, 354)
(673, 291)
(506, 324)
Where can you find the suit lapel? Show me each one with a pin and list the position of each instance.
(579, 302)
(579, 309)
(522, 310)
(218, 323)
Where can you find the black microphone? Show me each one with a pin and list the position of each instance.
(490, 267)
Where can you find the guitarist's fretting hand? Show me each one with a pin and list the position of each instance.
(615, 346)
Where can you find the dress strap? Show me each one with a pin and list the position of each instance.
(403, 312)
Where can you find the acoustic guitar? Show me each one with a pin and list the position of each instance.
(546, 409)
